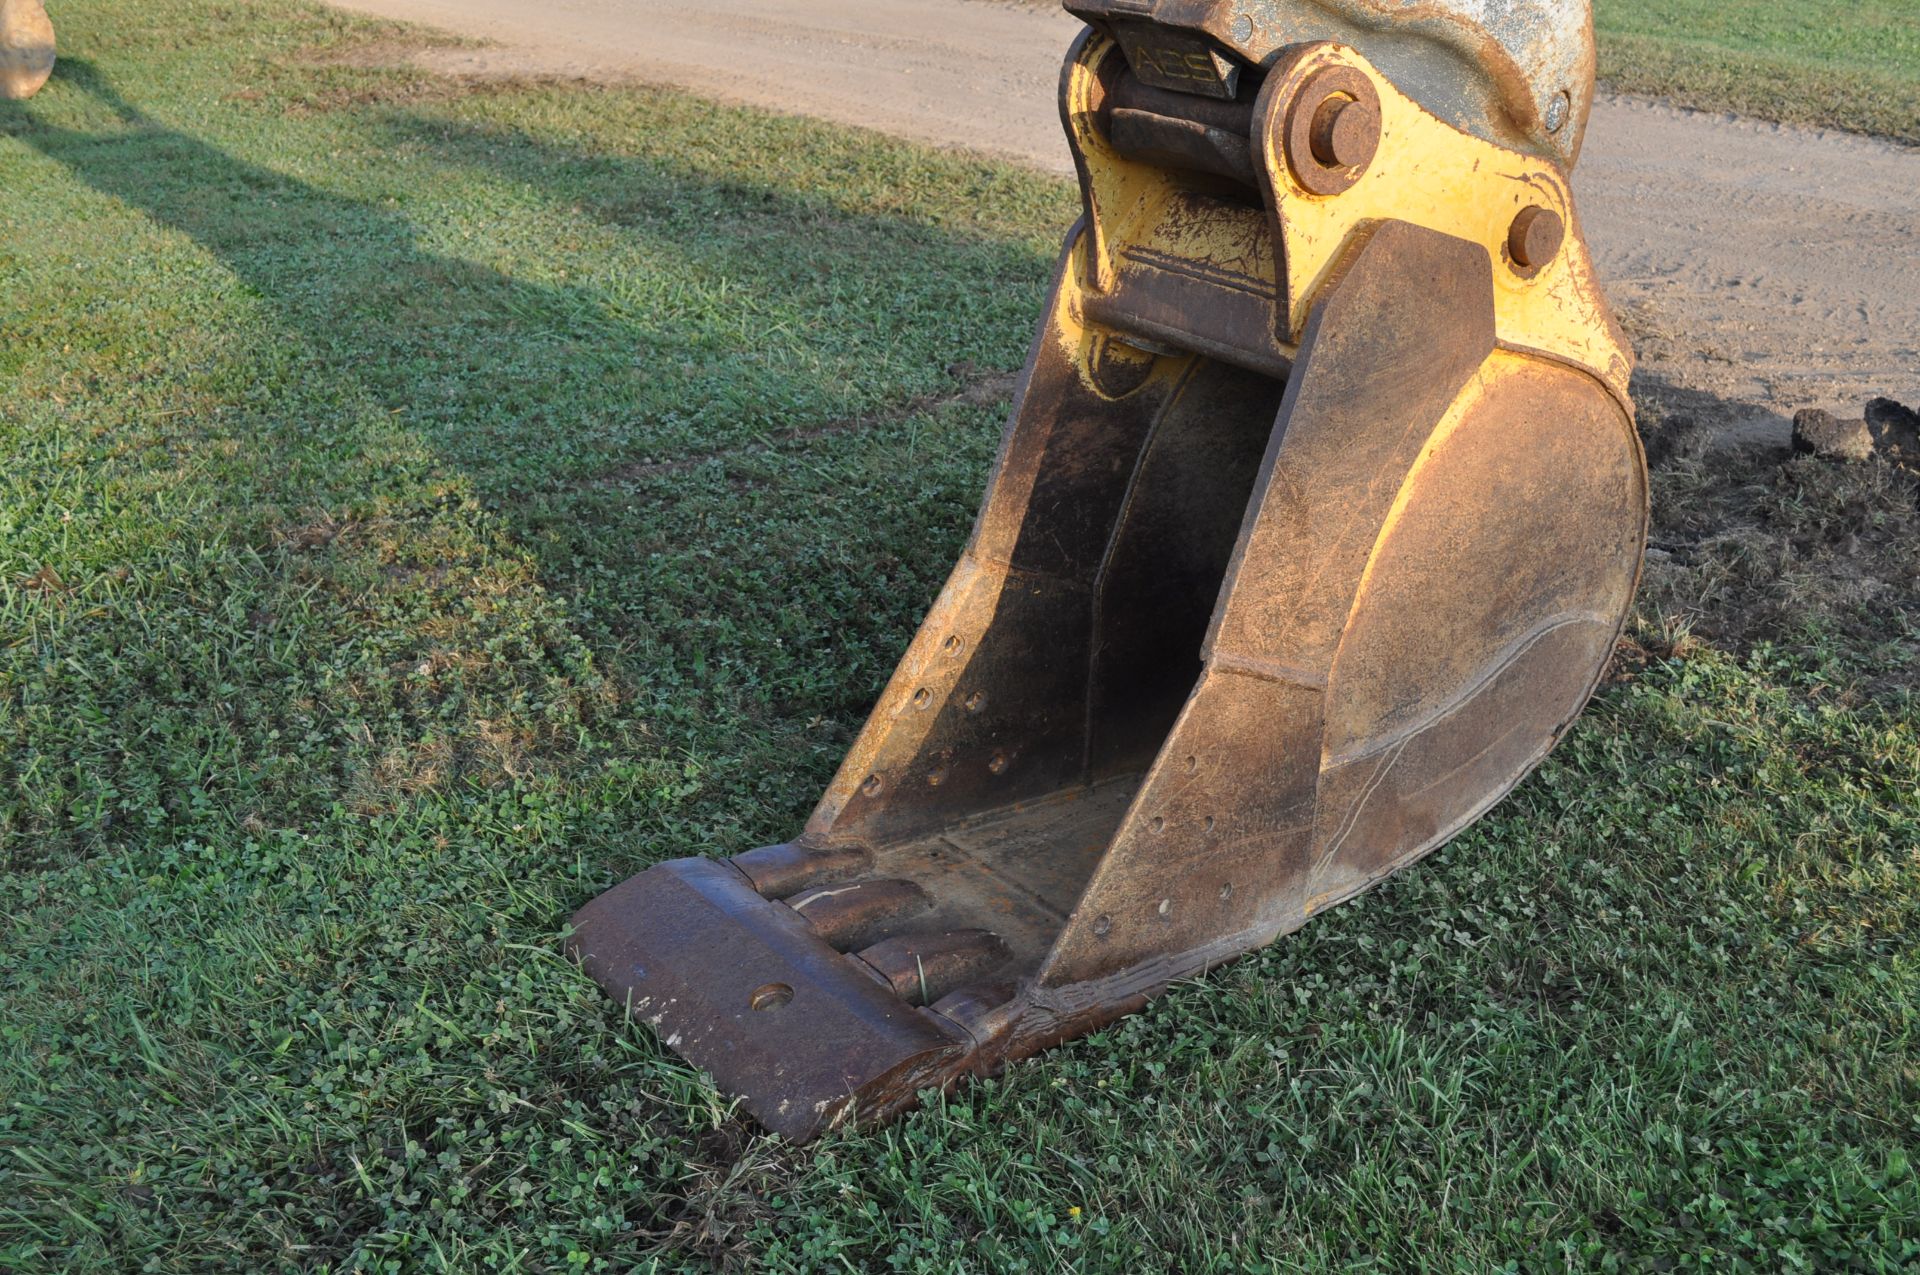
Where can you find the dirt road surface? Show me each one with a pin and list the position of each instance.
(1760, 268)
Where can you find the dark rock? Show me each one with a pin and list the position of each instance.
(1896, 432)
(1889, 431)
(1821, 434)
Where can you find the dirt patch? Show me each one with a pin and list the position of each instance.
(1752, 542)
(1756, 543)
(379, 54)
(397, 71)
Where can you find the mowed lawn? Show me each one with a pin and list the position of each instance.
(423, 504)
(1853, 64)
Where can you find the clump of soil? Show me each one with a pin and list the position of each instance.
(1887, 431)
(1756, 544)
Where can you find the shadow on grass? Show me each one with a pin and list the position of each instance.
(650, 438)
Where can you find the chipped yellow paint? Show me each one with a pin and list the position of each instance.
(1431, 174)
(1120, 191)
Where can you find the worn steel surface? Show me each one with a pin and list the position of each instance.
(744, 988)
(1317, 517)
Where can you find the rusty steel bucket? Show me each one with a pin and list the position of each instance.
(1318, 515)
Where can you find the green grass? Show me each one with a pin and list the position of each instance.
(1852, 64)
(418, 511)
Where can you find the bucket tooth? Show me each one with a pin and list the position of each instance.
(1317, 517)
(859, 912)
(975, 1007)
(923, 968)
(789, 868)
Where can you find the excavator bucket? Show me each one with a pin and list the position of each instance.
(1317, 518)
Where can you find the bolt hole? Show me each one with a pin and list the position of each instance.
(1193, 764)
(1207, 823)
(936, 776)
(1102, 925)
(770, 996)
(976, 701)
(953, 644)
(922, 697)
(1226, 891)
(997, 763)
(1159, 824)
(1166, 908)
(873, 786)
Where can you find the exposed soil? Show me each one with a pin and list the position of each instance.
(1754, 544)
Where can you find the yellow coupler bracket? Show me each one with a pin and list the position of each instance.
(1318, 515)
(1419, 170)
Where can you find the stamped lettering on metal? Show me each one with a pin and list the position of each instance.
(1167, 60)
